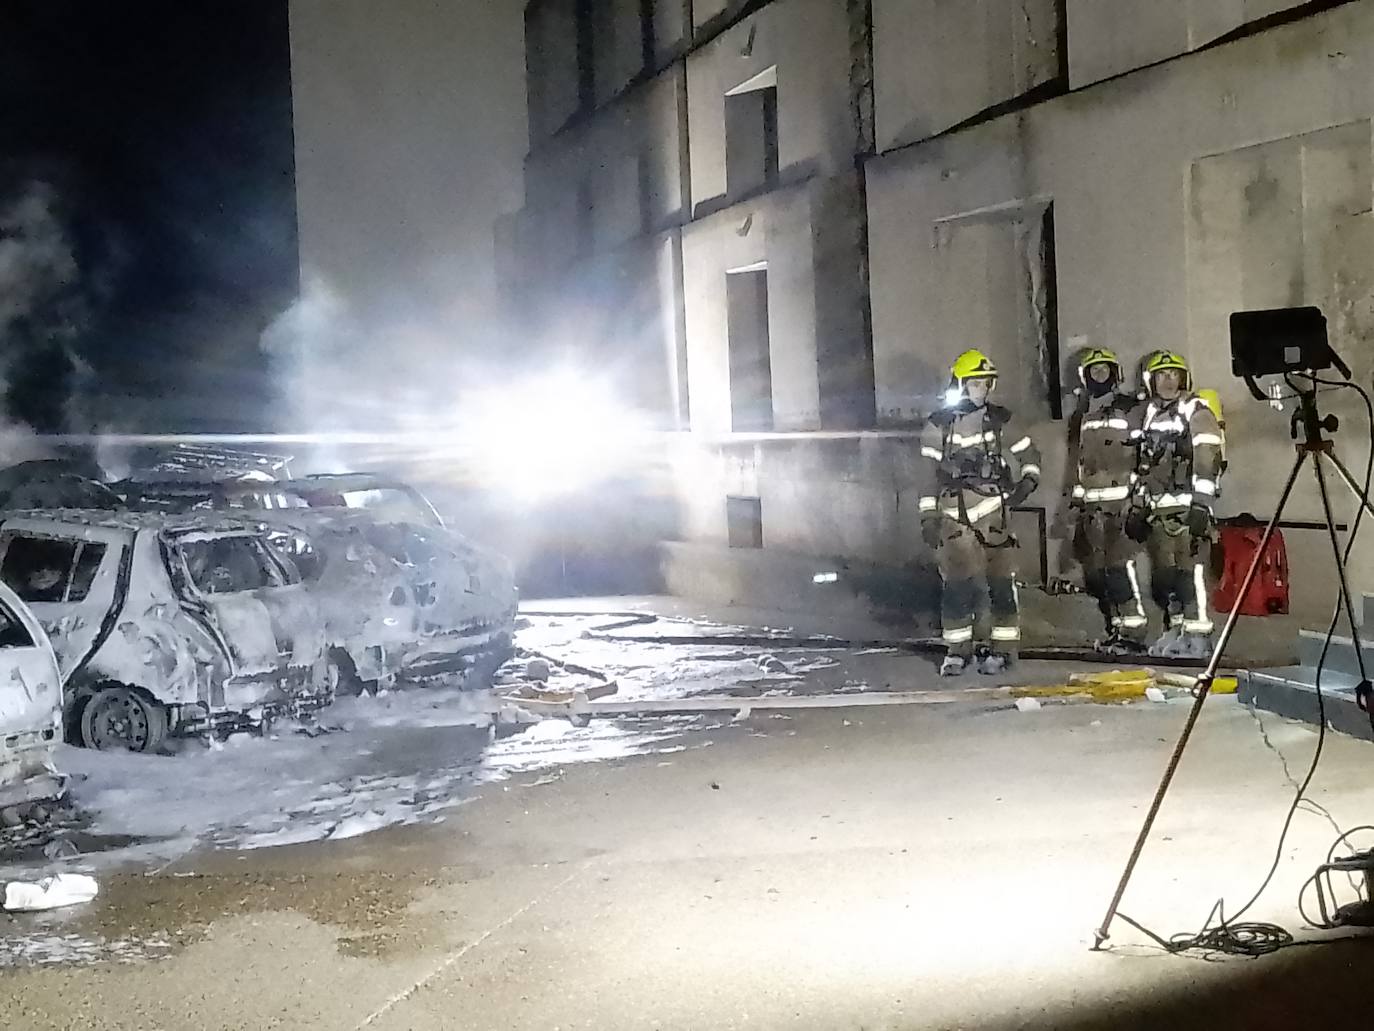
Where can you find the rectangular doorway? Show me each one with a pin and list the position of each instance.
(751, 372)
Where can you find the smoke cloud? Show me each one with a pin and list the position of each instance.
(40, 307)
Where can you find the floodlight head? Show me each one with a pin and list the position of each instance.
(1281, 342)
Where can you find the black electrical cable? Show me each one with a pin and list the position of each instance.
(1229, 936)
(1330, 855)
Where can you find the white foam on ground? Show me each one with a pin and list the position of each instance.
(44, 948)
(405, 757)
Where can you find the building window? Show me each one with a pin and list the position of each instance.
(744, 522)
(751, 134)
(751, 372)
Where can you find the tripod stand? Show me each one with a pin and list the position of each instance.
(1308, 427)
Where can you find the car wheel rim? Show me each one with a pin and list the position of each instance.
(123, 721)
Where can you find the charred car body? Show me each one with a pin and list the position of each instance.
(402, 596)
(30, 707)
(166, 624)
(221, 602)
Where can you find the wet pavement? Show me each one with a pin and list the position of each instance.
(924, 866)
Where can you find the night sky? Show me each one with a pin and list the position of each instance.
(150, 141)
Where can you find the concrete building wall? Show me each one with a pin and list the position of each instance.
(672, 29)
(620, 314)
(1235, 179)
(945, 62)
(617, 46)
(707, 12)
(552, 66)
(854, 498)
(774, 231)
(1111, 37)
(807, 42)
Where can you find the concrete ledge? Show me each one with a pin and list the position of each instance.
(1289, 691)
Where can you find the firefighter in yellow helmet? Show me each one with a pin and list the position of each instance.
(1102, 454)
(983, 469)
(1178, 464)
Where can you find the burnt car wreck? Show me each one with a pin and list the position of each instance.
(238, 603)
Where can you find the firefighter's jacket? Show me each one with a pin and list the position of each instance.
(979, 460)
(1178, 455)
(1103, 437)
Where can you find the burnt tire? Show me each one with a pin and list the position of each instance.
(122, 719)
(343, 675)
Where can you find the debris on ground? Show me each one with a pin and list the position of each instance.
(1027, 704)
(56, 892)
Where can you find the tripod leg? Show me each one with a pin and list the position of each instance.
(1340, 563)
(1351, 482)
(1203, 690)
(1364, 692)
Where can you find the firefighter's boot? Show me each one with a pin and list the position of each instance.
(1167, 641)
(992, 663)
(1192, 646)
(1117, 643)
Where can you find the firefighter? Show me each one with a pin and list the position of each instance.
(1102, 443)
(1178, 462)
(983, 468)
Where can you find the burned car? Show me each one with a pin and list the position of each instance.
(167, 624)
(399, 601)
(30, 706)
(402, 596)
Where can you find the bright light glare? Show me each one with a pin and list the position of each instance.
(953, 396)
(550, 436)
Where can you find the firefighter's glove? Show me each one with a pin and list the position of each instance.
(1200, 522)
(930, 533)
(1020, 492)
(1137, 525)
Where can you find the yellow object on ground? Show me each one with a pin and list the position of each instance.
(1119, 684)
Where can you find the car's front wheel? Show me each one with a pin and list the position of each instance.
(120, 718)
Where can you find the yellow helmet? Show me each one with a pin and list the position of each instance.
(972, 365)
(1097, 356)
(1158, 361)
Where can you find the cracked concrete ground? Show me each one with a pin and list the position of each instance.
(937, 866)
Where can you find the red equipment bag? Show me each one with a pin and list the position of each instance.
(1268, 595)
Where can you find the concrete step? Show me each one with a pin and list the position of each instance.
(1291, 691)
(1340, 657)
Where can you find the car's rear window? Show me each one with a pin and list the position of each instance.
(46, 569)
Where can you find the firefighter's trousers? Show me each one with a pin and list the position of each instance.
(1178, 574)
(967, 563)
(1110, 575)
